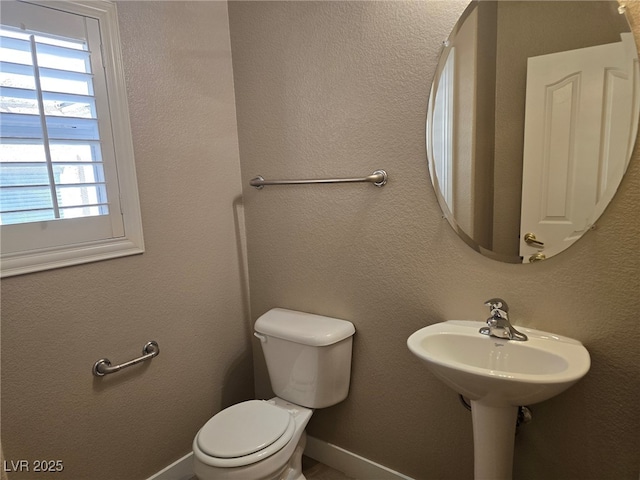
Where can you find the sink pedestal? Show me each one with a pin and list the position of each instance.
(494, 430)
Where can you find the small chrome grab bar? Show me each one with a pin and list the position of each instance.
(378, 178)
(103, 366)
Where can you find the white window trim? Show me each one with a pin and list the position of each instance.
(132, 242)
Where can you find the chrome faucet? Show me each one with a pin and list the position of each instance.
(498, 324)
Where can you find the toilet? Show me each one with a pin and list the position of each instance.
(309, 362)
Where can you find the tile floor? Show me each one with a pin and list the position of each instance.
(313, 470)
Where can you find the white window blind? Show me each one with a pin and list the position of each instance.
(67, 180)
(50, 156)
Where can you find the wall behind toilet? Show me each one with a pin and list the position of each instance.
(185, 291)
(330, 89)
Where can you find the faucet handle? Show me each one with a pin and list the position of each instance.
(498, 307)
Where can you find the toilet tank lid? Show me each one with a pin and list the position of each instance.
(303, 328)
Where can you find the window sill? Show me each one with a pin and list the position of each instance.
(48, 259)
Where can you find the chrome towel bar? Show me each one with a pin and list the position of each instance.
(378, 178)
(103, 366)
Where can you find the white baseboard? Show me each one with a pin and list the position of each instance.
(349, 463)
(331, 455)
(181, 469)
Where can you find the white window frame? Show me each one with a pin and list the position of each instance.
(130, 240)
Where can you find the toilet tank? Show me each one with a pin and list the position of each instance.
(308, 356)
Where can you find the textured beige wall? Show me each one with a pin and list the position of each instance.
(185, 291)
(336, 88)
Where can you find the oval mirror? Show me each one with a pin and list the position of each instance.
(532, 119)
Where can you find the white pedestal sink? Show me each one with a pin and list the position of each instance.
(498, 376)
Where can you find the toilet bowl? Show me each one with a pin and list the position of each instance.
(309, 363)
(257, 439)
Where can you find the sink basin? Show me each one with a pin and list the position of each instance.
(498, 376)
(499, 371)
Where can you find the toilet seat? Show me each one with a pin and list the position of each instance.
(244, 433)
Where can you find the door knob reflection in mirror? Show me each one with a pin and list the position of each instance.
(530, 239)
(538, 257)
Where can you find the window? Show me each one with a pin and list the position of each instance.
(68, 191)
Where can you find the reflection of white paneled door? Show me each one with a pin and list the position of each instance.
(580, 126)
